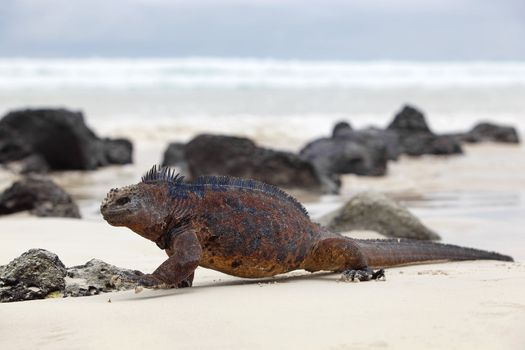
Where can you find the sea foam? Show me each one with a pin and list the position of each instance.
(251, 73)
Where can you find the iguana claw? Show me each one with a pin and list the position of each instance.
(150, 281)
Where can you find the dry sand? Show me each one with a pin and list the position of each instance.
(454, 306)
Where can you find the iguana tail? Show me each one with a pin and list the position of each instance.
(394, 252)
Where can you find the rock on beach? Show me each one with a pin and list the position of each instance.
(374, 211)
(40, 196)
(40, 274)
(61, 138)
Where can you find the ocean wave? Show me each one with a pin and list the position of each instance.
(99, 73)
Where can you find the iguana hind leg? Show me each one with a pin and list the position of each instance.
(340, 254)
(367, 274)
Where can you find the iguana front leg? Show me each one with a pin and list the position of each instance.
(180, 265)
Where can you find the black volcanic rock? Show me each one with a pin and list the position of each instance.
(420, 144)
(409, 121)
(241, 157)
(40, 196)
(341, 128)
(373, 137)
(39, 274)
(34, 275)
(416, 138)
(118, 151)
(343, 155)
(491, 132)
(32, 164)
(60, 137)
(388, 138)
(175, 155)
(12, 146)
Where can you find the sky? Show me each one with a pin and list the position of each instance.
(428, 30)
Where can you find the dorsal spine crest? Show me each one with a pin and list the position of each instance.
(158, 174)
(162, 174)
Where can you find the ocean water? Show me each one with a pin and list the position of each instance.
(284, 104)
(129, 74)
(281, 103)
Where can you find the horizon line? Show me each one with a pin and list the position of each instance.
(253, 59)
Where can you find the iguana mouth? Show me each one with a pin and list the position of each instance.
(112, 215)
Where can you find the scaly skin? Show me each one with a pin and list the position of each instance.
(248, 229)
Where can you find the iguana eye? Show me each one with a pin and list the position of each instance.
(122, 200)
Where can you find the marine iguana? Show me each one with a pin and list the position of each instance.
(249, 229)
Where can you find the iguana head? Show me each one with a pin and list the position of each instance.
(146, 208)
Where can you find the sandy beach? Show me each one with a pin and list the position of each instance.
(452, 305)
